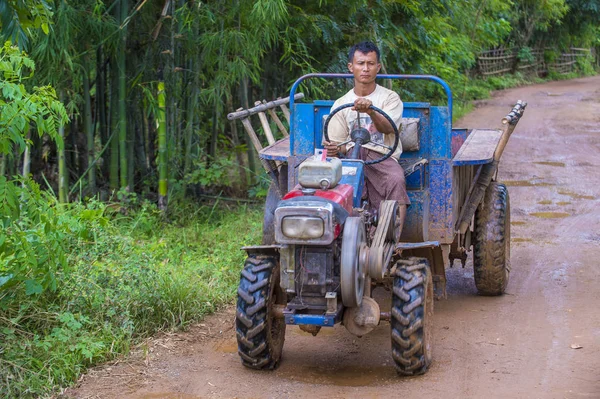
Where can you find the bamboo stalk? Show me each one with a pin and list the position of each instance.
(286, 112)
(62, 167)
(278, 122)
(114, 142)
(162, 149)
(280, 102)
(265, 125)
(27, 157)
(87, 125)
(252, 134)
(122, 98)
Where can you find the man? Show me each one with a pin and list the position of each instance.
(384, 180)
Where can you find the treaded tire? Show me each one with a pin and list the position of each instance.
(412, 316)
(260, 335)
(491, 253)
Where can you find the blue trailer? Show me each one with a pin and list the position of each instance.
(318, 266)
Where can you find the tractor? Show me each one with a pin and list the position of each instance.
(324, 252)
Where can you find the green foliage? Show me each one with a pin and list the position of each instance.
(36, 237)
(130, 274)
(21, 107)
(525, 55)
(18, 19)
(214, 174)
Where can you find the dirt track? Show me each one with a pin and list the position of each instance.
(520, 345)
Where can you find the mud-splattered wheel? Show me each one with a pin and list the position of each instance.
(412, 316)
(491, 254)
(260, 334)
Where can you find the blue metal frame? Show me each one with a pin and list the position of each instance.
(350, 76)
(326, 320)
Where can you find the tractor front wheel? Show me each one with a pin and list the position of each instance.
(412, 316)
(491, 253)
(260, 333)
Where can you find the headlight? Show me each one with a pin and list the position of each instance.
(304, 228)
(305, 222)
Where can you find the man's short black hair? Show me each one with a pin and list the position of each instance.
(363, 47)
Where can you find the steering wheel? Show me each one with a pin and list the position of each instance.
(362, 136)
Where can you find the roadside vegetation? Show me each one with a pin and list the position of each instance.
(96, 278)
(125, 194)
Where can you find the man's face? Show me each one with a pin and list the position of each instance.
(364, 67)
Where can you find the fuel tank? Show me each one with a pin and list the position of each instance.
(341, 194)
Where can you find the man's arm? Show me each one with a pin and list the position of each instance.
(338, 133)
(380, 122)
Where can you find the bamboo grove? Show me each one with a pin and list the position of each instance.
(146, 85)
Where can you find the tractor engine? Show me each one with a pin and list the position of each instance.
(308, 225)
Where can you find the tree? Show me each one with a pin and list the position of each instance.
(21, 107)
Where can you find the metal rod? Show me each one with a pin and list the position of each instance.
(278, 311)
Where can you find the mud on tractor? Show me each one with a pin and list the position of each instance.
(318, 265)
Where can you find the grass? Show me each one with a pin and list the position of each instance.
(133, 276)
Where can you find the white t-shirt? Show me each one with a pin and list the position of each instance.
(345, 121)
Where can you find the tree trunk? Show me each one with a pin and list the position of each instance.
(249, 146)
(240, 158)
(62, 168)
(140, 149)
(89, 129)
(114, 117)
(122, 98)
(101, 104)
(162, 149)
(189, 128)
(27, 157)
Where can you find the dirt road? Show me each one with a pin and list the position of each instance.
(540, 340)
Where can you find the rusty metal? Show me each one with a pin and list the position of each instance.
(382, 247)
(362, 320)
(516, 113)
(311, 329)
(277, 311)
(385, 316)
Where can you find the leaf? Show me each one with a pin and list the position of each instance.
(46, 28)
(33, 287)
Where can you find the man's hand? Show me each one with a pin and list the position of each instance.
(362, 105)
(332, 149)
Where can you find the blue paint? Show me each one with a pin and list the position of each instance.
(302, 138)
(356, 180)
(441, 226)
(473, 162)
(310, 319)
(441, 134)
(430, 215)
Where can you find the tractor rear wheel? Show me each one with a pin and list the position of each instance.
(412, 316)
(491, 253)
(260, 333)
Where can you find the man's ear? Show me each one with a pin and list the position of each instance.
(350, 67)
